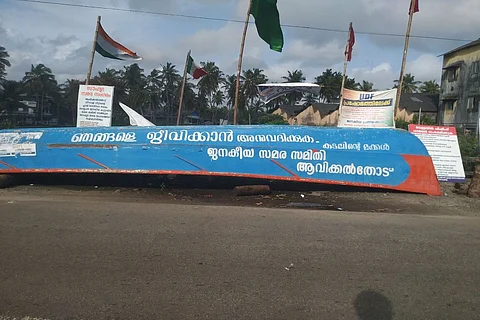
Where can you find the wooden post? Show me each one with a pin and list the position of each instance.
(240, 58)
(405, 51)
(345, 63)
(179, 116)
(92, 55)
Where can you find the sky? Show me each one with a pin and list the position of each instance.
(61, 37)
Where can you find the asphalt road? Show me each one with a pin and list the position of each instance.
(74, 258)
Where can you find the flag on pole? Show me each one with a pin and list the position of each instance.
(109, 48)
(267, 20)
(416, 8)
(195, 71)
(351, 43)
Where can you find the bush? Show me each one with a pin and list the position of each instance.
(274, 119)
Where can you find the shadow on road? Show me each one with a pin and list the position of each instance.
(371, 305)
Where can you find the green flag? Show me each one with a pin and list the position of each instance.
(267, 20)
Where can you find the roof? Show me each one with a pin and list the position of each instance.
(468, 45)
(292, 110)
(325, 108)
(414, 101)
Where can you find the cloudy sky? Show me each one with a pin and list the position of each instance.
(61, 36)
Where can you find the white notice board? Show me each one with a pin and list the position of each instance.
(94, 107)
(442, 146)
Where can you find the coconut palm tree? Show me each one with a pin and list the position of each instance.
(251, 79)
(4, 63)
(430, 86)
(170, 80)
(366, 86)
(40, 82)
(410, 85)
(69, 90)
(295, 76)
(210, 83)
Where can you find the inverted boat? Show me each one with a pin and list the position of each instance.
(377, 158)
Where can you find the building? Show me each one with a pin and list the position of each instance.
(289, 113)
(318, 114)
(460, 88)
(418, 104)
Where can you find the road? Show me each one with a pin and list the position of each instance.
(76, 257)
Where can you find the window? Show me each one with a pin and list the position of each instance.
(476, 67)
(450, 105)
(452, 74)
(473, 104)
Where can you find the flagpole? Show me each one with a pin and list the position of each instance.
(413, 4)
(92, 55)
(240, 58)
(345, 63)
(179, 116)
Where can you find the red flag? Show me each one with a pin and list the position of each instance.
(416, 8)
(351, 42)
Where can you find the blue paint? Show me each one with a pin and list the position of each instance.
(362, 156)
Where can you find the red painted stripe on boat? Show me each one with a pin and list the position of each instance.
(94, 161)
(284, 168)
(10, 166)
(190, 163)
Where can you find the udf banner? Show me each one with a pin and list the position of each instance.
(368, 109)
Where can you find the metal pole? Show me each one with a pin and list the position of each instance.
(345, 63)
(405, 52)
(420, 116)
(183, 89)
(240, 58)
(92, 55)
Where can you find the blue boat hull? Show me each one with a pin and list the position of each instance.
(378, 158)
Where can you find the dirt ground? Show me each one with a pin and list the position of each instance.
(207, 190)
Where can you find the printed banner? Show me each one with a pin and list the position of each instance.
(442, 145)
(368, 109)
(94, 107)
(271, 91)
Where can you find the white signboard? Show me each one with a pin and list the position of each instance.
(22, 149)
(94, 108)
(367, 109)
(442, 146)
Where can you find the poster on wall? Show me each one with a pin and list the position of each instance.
(442, 145)
(368, 109)
(94, 107)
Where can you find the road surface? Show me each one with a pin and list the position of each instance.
(77, 257)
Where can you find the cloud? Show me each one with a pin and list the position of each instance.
(61, 37)
(424, 68)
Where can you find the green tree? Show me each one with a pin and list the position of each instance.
(366, 86)
(251, 79)
(40, 82)
(430, 86)
(331, 84)
(410, 85)
(294, 77)
(69, 90)
(4, 62)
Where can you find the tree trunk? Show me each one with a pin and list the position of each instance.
(41, 110)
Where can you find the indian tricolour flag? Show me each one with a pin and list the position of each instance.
(109, 48)
(195, 71)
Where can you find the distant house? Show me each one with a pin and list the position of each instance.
(289, 112)
(412, 104)
(317, 114)
(460, 88)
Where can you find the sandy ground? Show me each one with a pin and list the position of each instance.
(195, 191)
